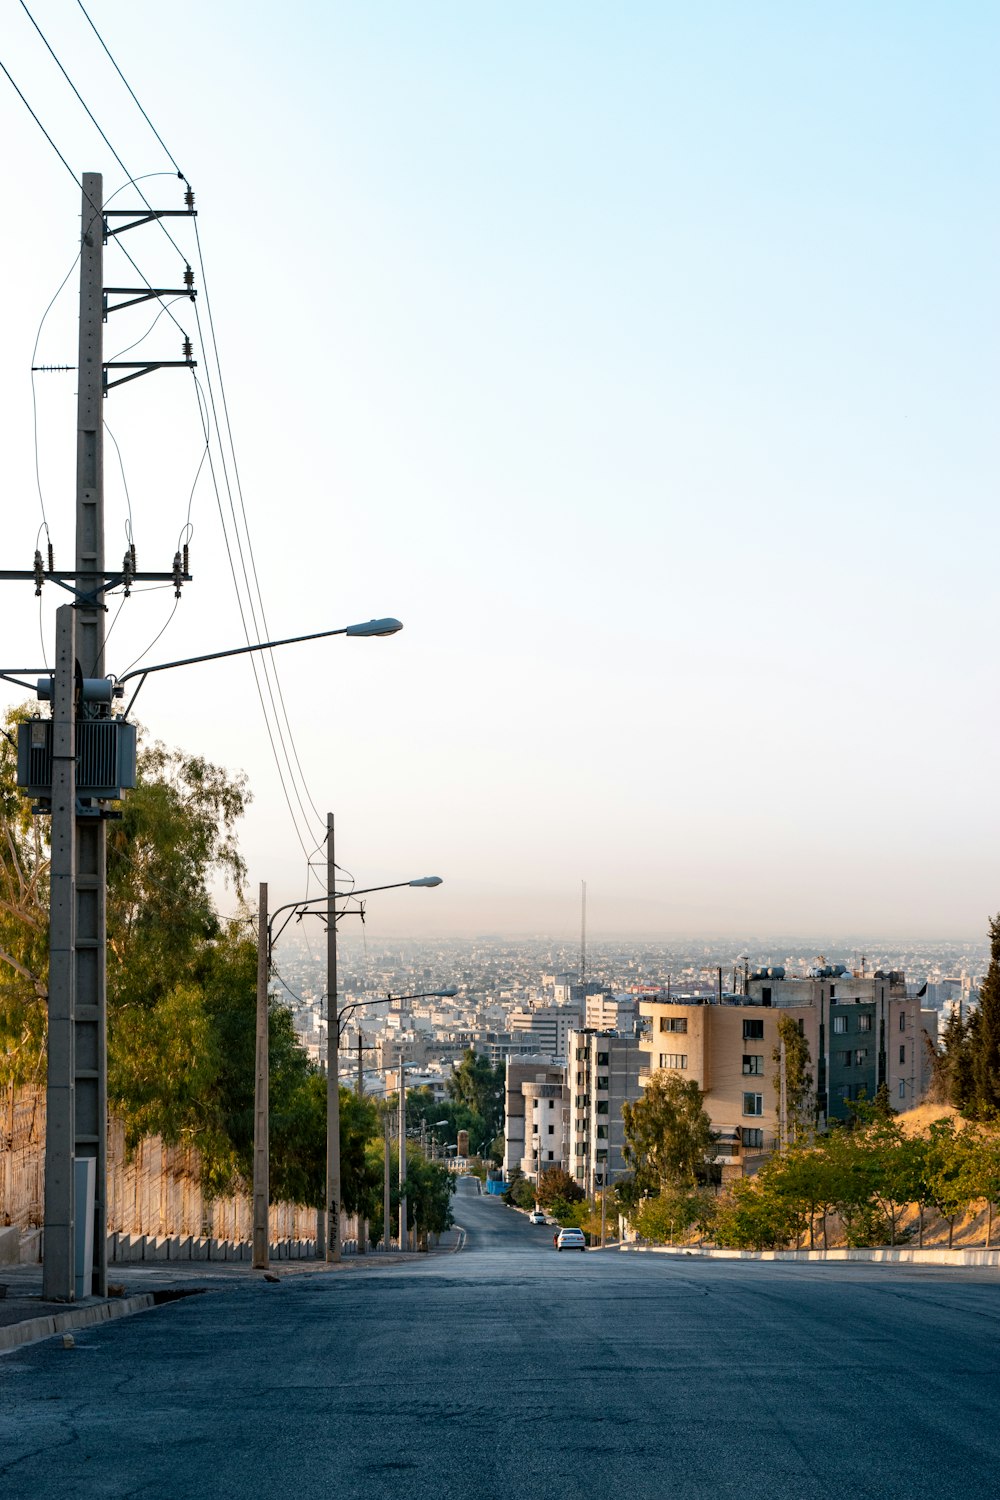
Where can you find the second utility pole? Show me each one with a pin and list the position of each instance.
(332, 1057)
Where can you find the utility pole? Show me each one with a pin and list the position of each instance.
(81, 1069)
(59, 1272)
(387, 1185)
(261, 1142)
(361, 1074)
(402, 1153)
(333, 1057)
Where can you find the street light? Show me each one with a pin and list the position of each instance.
(77, 1001)
(326, 906)
(448, 993)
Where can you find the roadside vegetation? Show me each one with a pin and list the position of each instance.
(182, 985)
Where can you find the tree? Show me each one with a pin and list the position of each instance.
(984, 1041)
(24, 924)
(429, 1187)
(671, 1214)
(950, 1171)
(480, 1087)
(798, 1080)
(985, 1169)
(752, 1216)
(556, 1184)
(669, 1141)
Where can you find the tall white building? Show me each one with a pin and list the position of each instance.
(602, 1074)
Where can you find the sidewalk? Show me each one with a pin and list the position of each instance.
(25, 1317)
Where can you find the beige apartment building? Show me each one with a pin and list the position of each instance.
(862, 1031)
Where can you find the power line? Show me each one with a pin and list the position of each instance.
(93, 119)
(125, 81)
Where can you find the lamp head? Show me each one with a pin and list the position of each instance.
(426, 880)
(446, 994)
(375, 627)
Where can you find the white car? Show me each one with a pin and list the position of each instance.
(570, 1239)
(537, 1217)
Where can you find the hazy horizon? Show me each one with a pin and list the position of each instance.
(641, 362)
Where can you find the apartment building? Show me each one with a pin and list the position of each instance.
(546, 1026)
(536, 1116)
(602, 1074)
(609, 1012)
(861, 1030)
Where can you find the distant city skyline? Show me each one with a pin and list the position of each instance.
(641, 363)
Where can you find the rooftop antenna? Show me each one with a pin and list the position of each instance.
(583, 940)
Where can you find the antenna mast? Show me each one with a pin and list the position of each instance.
(583, 942)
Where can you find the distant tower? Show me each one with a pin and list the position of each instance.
(583, 941)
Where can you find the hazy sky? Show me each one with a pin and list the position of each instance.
(640, 358)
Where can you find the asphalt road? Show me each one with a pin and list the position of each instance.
(509, 1370)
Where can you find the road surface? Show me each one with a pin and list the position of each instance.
(508, 1370)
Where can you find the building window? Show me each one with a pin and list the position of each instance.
(602, 1107)
(839, 1025)
(602, 1059)
(580, 1149)
(602, 1132)
(802, 1026)
(902, 1088)
(673, 1060)
(552, 1130)
(902, 1054)
(765, 994)
(753, 1138)
(833, 991)
(673, 1023)
(753, 1031)
(551, 1156)
(581, 1054)
(845, 1058)
(753, 1064)
(902, 1020)
(864, 1023)
(581, 1079)
(602, 1083)
(602, 1154)
(843, 1091)
(552, 1104)
(861, 1056)
(753, 1104)
(534, 1128)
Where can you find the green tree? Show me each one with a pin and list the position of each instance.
(985, 1170)
(799, 1100)
(24, 924)
(984, 1039)
(751, 1215)
(480, 1087)
(950, 1171)
(672, 1214)
(429, 1189)
(669, 1141)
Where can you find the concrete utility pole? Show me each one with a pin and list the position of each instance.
(59, 1273)
(333, 1057)
(387, 1187)
(403, 1231)
(261, 1131)
(79, 1087)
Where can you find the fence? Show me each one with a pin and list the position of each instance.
(154, 1191)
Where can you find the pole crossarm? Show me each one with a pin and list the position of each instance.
(108, 580)
(137, 294)
(137, 216)
(141, 367)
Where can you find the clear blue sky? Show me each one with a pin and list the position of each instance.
(642, 360)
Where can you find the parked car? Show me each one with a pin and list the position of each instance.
(537, 1217)
(570, 1239)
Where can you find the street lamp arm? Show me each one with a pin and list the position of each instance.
(386, 626)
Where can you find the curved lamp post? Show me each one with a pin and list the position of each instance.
(322, 906)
